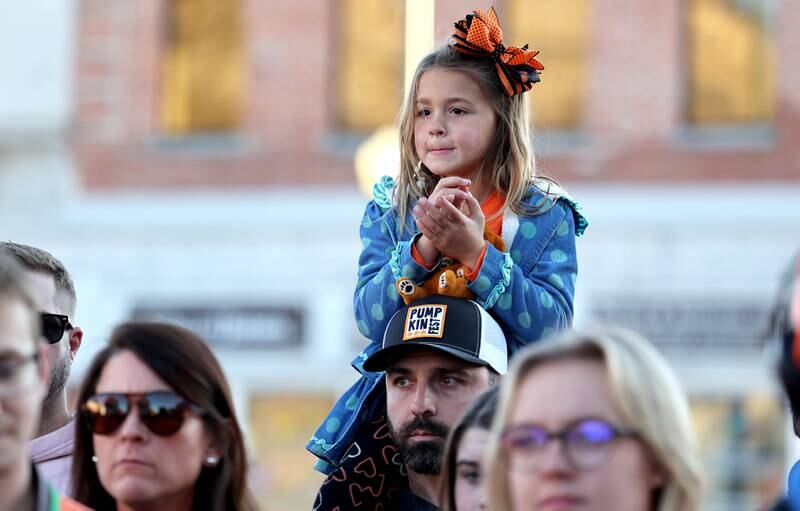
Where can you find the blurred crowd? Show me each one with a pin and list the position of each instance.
(590, 419)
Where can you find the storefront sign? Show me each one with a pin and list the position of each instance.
(690, 323)
(246, 327)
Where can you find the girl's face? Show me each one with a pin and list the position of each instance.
(454, 124)
(553, 397)
(135, 465)
(470, 494)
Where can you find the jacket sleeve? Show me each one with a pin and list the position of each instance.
(384, 258)
(530, 289)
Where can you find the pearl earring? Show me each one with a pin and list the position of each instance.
(212, 461)
(94, 459)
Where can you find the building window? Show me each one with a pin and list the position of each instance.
(204, 67)
(369, 72)
(560, 32)
(731, 62)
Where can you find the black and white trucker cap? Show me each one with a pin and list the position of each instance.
(455, 326)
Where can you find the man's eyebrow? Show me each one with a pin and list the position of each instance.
(453, 371)
(398, 370)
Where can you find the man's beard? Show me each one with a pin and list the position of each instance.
(58, 375)
(421, 457)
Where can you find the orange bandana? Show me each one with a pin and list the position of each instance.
(479, 35)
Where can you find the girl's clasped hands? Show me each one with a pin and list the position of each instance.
(451, 222)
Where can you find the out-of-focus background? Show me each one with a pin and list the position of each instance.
(196, 160)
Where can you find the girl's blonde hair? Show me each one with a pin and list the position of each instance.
(646, 393)
(511, 161)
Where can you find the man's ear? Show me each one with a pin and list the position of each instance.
(75, 340)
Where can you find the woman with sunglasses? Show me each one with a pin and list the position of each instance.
(157, 429)
(592, 420)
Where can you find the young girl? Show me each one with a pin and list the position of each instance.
(467, 164)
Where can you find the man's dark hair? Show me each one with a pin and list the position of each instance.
(38, 260)
(783, 331)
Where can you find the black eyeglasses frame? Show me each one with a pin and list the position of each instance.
(63, 326)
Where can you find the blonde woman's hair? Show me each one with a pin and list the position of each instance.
(509, 167)
(646, 393)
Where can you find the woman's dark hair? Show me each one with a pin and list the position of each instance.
(478, 415)
(185, 363)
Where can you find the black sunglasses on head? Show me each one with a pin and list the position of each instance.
(162, 412)
(54, 326)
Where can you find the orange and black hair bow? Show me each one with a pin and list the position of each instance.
(480, 36)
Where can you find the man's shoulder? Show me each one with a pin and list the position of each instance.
(56, 444)
(408, 500)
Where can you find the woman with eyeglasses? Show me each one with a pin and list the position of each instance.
(157, 429)
(464, 470)
(592, 420)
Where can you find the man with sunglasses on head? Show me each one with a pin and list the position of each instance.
(23, 380)
(54, 294)
(439, 353)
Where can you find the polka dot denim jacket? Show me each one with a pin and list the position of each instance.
(529, 290)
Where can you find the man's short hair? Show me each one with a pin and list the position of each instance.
(38, 260)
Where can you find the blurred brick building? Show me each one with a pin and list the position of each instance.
(194, 159)
(638, 83)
